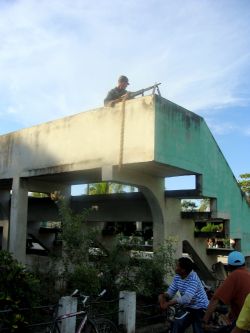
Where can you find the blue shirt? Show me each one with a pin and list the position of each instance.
(191, 290)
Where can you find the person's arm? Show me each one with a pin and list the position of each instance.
(211, 308)
(108, 101)
(165, 299)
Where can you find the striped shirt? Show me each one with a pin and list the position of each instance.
(191, 290)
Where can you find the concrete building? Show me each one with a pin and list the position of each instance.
(151, 140)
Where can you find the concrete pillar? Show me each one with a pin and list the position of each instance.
(177, 228)
(127, 310)
(4, 217)
(155, 198)
(67, 304)
(18, 219)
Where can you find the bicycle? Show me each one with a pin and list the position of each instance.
(218, 323)
(86, 325)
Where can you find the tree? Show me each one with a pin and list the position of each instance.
(108, 187)
(204, 205)
(19, 288)
(244, 183)
(188, 206)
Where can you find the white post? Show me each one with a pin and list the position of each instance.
(127, 310)
(67, 304)
(18, 219)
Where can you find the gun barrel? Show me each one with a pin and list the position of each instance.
(139, 92)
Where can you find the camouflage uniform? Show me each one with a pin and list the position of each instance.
(114, 94)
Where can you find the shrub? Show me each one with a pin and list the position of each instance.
(19, 289)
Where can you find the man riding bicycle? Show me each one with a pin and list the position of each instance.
(233, 291)
(192, 296)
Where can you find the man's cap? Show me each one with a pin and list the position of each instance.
(236, 258)
(123, 78)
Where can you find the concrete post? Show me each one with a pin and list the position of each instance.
(67, 304)
(127, 310)
(18, 219)
(4, 217)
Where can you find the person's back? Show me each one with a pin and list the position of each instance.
(243, 321)
(234, 290)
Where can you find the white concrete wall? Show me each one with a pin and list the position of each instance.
(83, 141)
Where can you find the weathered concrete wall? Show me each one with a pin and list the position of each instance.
(184, 140)
(83, 141)
(160, 139)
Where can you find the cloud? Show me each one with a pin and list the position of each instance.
(61, 57)
(246, 131)
(220, 127)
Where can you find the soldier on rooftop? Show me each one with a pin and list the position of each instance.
(117, 92)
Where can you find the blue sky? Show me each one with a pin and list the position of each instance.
(60, 57)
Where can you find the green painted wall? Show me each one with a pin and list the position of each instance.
(183, 139)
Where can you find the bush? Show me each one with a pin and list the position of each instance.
(19, 289)
(112, 268)
(85, 278)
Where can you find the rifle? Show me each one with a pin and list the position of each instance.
(136, 93)
(141, 92)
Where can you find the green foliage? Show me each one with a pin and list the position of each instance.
(99, 188)
(108, 187)
(211, 227)
(245, 182)
(204, 205)
(19, 289)
(85, 278)
(88, 265)
(188, 206)
(152, 274)
(76, 240)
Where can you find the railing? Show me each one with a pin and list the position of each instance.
(123, 314)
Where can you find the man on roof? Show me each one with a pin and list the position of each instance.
(117, 92)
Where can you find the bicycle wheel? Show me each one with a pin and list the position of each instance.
(90, 327)
(104, 325)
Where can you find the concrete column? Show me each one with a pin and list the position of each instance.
(155, 198)
(4, 217)
(18, 219)
(127, 310)
(178, 229)
(67, 304)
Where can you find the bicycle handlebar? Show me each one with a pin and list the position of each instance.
(86, 297)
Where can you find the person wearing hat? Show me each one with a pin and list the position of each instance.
(233, 290)
(118, 92)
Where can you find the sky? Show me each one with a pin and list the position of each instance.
(60, 57)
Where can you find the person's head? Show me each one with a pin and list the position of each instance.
(184, 266)
(235, 260)
(122, 82)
